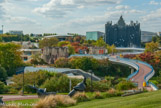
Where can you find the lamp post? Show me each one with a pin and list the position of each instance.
(90, 71)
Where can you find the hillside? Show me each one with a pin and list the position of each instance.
(144, 100)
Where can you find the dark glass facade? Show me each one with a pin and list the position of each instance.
(122, 35)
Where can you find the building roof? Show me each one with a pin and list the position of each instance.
(30, 50)
(57, 36)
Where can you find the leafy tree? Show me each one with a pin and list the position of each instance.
(10, 57)
(32, 78)
(36, 59)
(1, 87)
(71, 50)
(100, 43)
(48, 42)
(111, 49)
(151, 47)
(63, 43)
(61, 63)
(3, 74)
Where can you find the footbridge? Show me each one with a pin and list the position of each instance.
(141, 72)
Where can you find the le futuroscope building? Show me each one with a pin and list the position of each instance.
(123, 35)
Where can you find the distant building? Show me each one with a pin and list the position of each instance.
(123, 35)
(147, 36)
(50, 54)
(16, 32)
(60, 37)
(94, 35)
(36, 35)
(27, 54)
(1, 31)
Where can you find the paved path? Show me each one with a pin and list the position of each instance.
(139, 78)
(17, 97)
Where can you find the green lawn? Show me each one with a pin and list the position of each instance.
(25, 103)
(144, 100)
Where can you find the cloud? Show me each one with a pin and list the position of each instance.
(2, 10)
(60, 8)
(95, 22)
(119, 7)
(154, 3)
(153, 15)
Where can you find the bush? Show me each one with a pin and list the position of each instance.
(31, 78)
(55, 101)
(61, 63)
(3, 74)
(2, 86)
(60, 84)
(113, 93)
(125, 85)
(98, 95)
(81, 97)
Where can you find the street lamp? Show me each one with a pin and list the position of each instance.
(90, 71)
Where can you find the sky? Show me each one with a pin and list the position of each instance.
(77, 16)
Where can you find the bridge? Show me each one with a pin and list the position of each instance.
(143, 72)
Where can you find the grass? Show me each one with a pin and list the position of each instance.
(144, 100)
(25, 103)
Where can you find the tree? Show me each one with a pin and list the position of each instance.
(10, 57)
(100, 43)
(151, 47)
(3, 74)
(63, 43)
(48, 42)
(111, 49)
(36, 59)
(71, 50)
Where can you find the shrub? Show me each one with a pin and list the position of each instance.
(2, 86)
(125, 85)
(113, 93)
(61, 63)
(81, 97)
(60, 84)
(55, 101)
(98, 95)
(31, 78)
(3, 74)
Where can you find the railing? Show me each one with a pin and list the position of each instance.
(153, 86)
(149, 75)
(127, 62)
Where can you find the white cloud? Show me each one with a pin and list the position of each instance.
(121, 7)
(60, 8)
(153, 15)
(153, 3)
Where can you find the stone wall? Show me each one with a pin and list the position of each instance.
(50, 54)
(97, 50)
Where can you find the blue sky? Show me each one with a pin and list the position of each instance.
(77, 16)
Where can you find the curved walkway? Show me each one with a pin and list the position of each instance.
(142, 74)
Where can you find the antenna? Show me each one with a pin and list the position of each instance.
(2, 29)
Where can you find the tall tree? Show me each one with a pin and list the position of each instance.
(48, 42)
(151, 47)
(10, 57)
(100, 43)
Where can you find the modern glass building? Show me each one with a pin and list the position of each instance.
(1, 31)
(94, 35)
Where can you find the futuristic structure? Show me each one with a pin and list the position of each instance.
(1, 101)
(42, 92)
(122, 35)
(78, 88)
